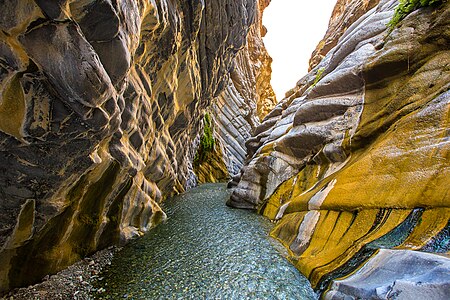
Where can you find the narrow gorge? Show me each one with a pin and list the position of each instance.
(109, 109)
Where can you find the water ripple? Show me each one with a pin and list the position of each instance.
(204, 251)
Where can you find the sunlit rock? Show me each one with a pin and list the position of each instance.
(345, 13)
(356, 157)
(101, 106)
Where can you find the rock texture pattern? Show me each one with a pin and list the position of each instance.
(238, 110)
(101, 102)
(356, 158)
(396, 274)
(345, 13)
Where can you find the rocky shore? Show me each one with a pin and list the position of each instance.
(74, 282)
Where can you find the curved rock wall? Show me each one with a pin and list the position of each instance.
(237, 111)
(357, 157)
(252, 70)
(344, 14)
(101, 102)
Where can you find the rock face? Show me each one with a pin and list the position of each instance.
(101, 104)
(396, 274)
(356, 158)
(345, 13)
(237, 111)
(209, 162)
(252, 71)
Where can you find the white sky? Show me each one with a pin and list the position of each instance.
(295, 27)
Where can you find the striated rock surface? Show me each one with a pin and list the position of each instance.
(356, 158)
(396, 274)
(237, 111)
(101, 104)
(344, 14)
(252, 70)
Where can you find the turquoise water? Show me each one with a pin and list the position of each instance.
(205, 250)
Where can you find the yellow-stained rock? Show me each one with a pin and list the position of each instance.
(12, 108)
(356, 158)
(430, 224)
(100, 106)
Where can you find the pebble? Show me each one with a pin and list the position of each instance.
(74, 282)
(205, 251)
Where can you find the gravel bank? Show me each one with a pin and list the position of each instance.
(75, 282)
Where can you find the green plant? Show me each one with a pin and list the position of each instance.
(319, 75)
(405, 7)
(207, 141)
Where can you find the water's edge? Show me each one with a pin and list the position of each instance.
(205, 250)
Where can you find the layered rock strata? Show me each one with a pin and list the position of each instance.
(344, 14)
(357, 157)
(396, 274)
(101, 102)
(238, 110)
(252, 71)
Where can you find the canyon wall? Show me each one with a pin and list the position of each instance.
(238, 110)
(345, 13)
(101, 111)
(356, 157)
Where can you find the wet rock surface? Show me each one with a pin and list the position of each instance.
(396, 274)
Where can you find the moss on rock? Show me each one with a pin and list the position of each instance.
(209, 164)
(207, 141)
(405, 7)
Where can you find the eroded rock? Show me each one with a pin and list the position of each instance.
(238, 110)
(355, 158)
(396, 274)
(101, 104)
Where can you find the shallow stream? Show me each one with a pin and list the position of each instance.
(205, 250)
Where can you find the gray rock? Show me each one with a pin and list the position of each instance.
(75, 72)
(396, 274)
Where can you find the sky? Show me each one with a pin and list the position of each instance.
(295, 27)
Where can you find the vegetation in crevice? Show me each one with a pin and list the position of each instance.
(209, 163)
(405, 7)
(207, 141)
(319, 75)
